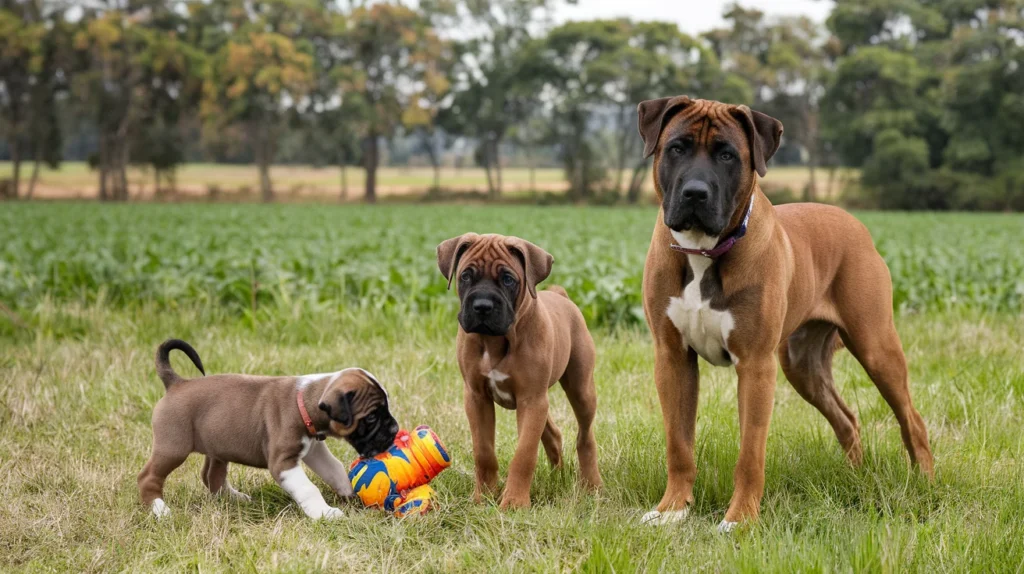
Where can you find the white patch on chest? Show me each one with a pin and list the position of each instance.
(307, 443)
(704, 329)
(501, 396)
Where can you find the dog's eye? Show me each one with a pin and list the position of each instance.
(508, 279)
(466, 275)
(726, 156)
(677, 149)
(371, 419)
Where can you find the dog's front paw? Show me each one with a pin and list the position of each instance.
(659, 518)
(510, 502)
(332, 513)
(160, 508)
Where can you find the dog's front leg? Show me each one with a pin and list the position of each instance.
(676, 377)
(531, 418)
(289, 474)
(480, 412)
(756, 399)
(326, 466)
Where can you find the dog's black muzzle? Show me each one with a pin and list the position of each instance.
(486, 312)
(696, 204)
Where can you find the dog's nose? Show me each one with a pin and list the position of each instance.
(696, 190)
(483, 306)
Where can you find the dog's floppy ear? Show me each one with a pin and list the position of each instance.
(651, 115)
(338, 405)
(536, 262)
(764, 133)
(450, 251)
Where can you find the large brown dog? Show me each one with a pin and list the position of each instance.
(266, 422)
(803, 278)
(514, 343)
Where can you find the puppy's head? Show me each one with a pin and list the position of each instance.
(493, 275)
(706, 155)
(357, 405)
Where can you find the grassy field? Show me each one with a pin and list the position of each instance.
(76, 180)
(295, 289)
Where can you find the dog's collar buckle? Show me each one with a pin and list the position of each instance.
(306, 420)
(724, 245)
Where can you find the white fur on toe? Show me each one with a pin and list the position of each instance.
(160, 508)
(725, 527)
(332, 513)
(657, 518)
(230, 492)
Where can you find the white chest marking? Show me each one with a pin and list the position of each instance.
(307, 443)
(494, 377)
(704, 329)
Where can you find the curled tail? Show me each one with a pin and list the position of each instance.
(558, 289)
(163, 363)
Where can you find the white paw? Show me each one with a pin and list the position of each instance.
(332, 513)
(230, 492)
(656, 518)
(725, 527)
(160, 509)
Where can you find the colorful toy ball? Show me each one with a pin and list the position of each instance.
(396, 480)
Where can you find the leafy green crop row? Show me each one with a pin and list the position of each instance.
(254, 256)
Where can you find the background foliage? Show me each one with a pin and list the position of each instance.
(926, 96)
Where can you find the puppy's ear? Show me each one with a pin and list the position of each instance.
(651, 116)
(450, 251)
(338, 405)
(764, 133)
(536, 262)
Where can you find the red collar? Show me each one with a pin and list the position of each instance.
(305, 417)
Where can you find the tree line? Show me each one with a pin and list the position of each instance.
(926, 98)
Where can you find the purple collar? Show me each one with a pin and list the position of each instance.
(724, 245)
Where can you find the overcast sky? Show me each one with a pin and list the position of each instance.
(693, 16)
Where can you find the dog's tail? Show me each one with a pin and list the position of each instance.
(558, 289)
(163, 363)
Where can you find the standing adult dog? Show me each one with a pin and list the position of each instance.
(734, 280)
(514, 343)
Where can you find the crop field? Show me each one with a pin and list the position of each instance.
(89, 291)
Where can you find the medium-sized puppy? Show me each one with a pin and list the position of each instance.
(514, 343)
(265, 422)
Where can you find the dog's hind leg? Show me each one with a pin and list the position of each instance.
(578, 383)
(215, 477)
(552, 441)
(878, 349)
(806, 359)
(867, 328)
(151, 480)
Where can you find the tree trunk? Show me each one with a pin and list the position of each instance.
(104, 167)
(636, 183)
(16, 164)
(486, 157)
(266, 188)
(623, 144)
(35, 171)
(122, 170)
(344, 183)
(370, 160)
(495, 148)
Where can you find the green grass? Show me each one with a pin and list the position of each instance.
(95, 289)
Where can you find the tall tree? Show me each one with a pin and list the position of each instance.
(22, 66)
(496, 78)
(391, 52)
(131, 59)
(263, 69)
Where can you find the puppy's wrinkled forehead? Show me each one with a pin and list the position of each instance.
(489, 255)
(368, 390)
(706, 122)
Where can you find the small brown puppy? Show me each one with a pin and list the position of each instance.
(265, 422)
(744, 284)
(514, 343)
